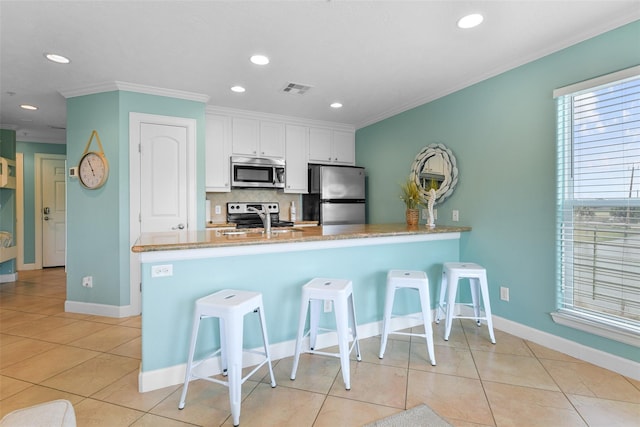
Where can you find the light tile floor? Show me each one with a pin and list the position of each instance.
(93, 362)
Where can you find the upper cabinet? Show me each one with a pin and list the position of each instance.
(257, 138)
(217, 153)
(331, 146)
(251, 134)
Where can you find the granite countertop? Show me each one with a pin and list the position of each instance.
(212, 238)
(232, 225)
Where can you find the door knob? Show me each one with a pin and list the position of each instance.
(47, 211)
(179, 227)
(46, 218)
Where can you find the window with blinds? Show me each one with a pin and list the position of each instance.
(598, 206)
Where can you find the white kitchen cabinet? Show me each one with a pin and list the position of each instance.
(296, 140)
(257, 138)
(331, 146)
(217, 153)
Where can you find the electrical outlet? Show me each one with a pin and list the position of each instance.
(162, 270)
(87, 281)
(218, 210)
(327, 306)
(455, 215)
(504, 293)
(424, 214)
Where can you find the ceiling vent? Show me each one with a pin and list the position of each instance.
(296, 88)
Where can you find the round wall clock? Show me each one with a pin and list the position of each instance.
(93, 170)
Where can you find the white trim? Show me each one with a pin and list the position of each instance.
(135, 121)
(173, 375)
(37, 163)
(290, 120)
(99, 309)
(597, 327)
(19, 241)
(28, 267)
(274, 247)
(132, 87)
(614, 363)
(6, 278)
(597, 81)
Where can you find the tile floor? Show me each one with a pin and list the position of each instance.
(93, 362)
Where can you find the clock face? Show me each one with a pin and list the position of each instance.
(93, 170)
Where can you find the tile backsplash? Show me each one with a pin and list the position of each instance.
(258, 195)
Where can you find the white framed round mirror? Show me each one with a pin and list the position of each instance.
(435, 167)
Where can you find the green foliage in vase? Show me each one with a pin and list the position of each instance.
(410, 194)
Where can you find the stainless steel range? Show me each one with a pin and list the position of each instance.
(251, 215)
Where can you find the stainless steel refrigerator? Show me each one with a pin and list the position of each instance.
(336, 195)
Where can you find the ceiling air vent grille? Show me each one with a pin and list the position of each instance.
(296, 88)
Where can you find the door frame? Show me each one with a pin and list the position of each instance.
(135, 122)
(38, 158)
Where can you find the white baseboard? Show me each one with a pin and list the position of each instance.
(6, 278)
(27, 267)
(173, 375)
(614, 363)
(99, 309)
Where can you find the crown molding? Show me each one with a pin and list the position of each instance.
(133, 87)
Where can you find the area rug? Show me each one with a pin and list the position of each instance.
(421, 415)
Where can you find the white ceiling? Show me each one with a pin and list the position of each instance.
(377, 58)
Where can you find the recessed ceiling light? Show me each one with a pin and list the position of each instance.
(470, 21)
(336, 105)
(259, 59)
(237, 89)
(28, 107)
(53, 57)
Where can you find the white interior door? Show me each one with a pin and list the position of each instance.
(159, 182)
(163, 178)
(53, 214)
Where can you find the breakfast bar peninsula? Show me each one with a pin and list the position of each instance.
(179, 267)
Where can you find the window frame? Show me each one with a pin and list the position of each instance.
(581, 319)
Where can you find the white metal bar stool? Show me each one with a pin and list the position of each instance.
(397, 279)
(339, 291)
(452, 272)
(230, 307)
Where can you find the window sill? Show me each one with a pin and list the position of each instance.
(618, 332)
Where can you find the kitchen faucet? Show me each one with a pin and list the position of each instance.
(264, 215)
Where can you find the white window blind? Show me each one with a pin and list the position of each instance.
(598, 208)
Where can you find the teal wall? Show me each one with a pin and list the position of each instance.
(8, 196)
(29, 150)
(98, 220)
(503, 134)
(168, 302)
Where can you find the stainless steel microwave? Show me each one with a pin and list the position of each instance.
(251, 172)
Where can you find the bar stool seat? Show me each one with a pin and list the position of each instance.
(452, 272)
(230, 307)
(398, 279)
(340, 292)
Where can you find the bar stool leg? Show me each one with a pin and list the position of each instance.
(452, 290)
(386, 321)
(302, 321)
(192, 351)
(425, 303)
(354, 327)
(484, 287)
(233, 343)
(441, 300)
(342, 319)
(314, 321)
(266, 345)
(223, 349)
(474, 284)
